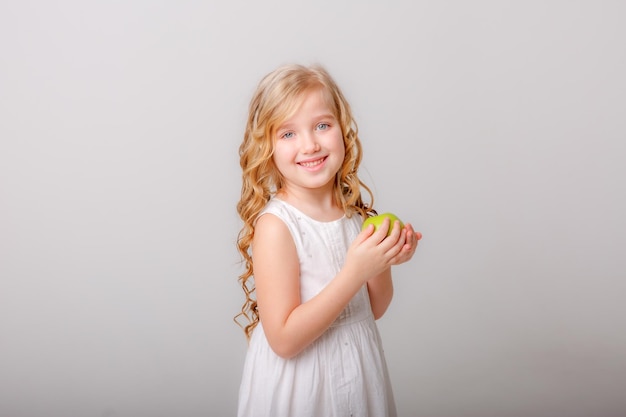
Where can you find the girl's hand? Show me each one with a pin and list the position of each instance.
(408, 249)
(373, 251)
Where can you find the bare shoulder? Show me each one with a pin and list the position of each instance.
(270, 227)
(272, 239)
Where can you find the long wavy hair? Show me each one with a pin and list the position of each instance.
(276, 99)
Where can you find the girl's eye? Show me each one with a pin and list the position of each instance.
(322, 126)
(287, 135)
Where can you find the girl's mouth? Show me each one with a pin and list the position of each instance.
(313, 163)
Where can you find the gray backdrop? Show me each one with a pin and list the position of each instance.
(496, 127)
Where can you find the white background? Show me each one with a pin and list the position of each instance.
(497, 128)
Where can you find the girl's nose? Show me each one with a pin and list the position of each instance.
(309, 143)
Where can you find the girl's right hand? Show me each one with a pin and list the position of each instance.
(372, 251)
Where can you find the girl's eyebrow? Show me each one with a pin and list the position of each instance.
(287, 125)
(284, 126)
(326, 116)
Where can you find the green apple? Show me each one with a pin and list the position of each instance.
(378, 220)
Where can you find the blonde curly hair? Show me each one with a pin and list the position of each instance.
(275, 100)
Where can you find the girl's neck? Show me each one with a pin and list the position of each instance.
(318, 206)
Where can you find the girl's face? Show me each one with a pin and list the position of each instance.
(309, 149)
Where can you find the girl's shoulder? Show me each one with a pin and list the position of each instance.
(280, 209)
(277, 207)
(285, 218)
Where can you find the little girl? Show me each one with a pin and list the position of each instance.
(319, 281)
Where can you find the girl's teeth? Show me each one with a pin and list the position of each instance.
(311, 164)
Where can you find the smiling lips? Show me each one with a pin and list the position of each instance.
(313, 163)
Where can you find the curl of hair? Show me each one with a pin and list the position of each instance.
(275, 100)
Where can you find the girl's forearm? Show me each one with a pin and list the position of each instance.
(380, 291)
(309, 320)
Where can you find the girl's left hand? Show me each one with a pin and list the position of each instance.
(412, 239)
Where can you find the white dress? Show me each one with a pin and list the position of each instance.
(342, 373)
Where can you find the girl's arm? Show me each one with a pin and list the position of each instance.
(289, 324)
(380, 291)
(380, 288)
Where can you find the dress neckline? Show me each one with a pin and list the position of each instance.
(302, 214)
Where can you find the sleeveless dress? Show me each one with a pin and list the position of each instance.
(343, 372)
